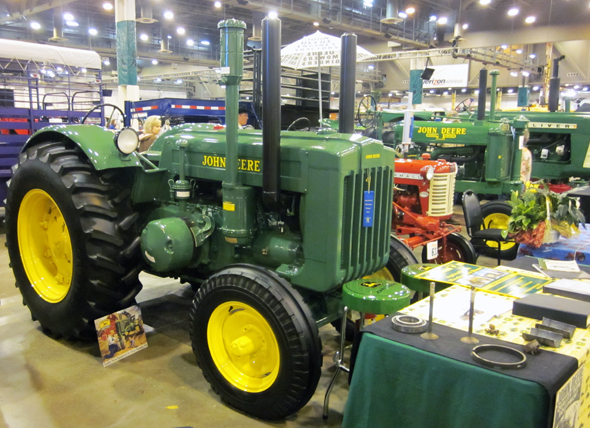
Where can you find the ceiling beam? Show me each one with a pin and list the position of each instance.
(31, 8)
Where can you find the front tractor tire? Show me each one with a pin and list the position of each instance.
(256, 341)
(458, 248)
(70, 240)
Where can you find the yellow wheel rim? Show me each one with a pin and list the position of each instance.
(45, 246)
(243, 347)
(497, 221)
(380, 274)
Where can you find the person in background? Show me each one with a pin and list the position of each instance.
(151, 130)
(243, 116)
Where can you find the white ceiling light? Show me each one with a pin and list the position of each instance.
(532, 56)
(390, 94)
(68, 16)
(217, 4)
(180, 30)
(316, 24)
(72, 24)
(510, 90)
(484, 2)
(431, 91)
(519, 51)
(535, 88)
(273, 14)
(205, 42)
(157, 80)
(178, 82)
(410, 10)
(576, 86)
(35, 25)
(465, 26)
(530, 19)
(585, 89)
(476, 92)
(92, 31)
(513, 11)
(144, 37)
(514, 73)
(432, 18)
(525, 73)
(107, 61)
(504, 46)
(169, 15)
(402, 15)
(154, 61)
(442, 20)
(464, 90)
(190, 42)
(107, 6)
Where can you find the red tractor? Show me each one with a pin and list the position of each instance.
(422, 203)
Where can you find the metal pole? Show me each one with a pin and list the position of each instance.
(320, 87)
(429, 335)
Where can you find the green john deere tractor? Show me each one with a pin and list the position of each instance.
(266, 225)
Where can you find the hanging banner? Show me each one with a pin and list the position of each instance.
(448, 76)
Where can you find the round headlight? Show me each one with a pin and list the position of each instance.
(429, 173)
(127, 141)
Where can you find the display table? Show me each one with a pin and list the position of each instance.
(576, 248)
(417, 385)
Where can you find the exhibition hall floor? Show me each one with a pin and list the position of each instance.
(47, 383)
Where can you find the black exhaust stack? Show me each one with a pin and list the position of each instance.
(554, 84)
(347, 83)
(481, 97)
(271, 113)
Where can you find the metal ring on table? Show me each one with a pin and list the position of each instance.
(409, 324)
(498, 364)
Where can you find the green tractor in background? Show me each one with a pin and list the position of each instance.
(267, 226)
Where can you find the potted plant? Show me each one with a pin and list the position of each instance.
(540, 216)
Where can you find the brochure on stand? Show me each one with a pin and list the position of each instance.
(516, 284)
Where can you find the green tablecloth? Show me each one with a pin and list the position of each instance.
(395, 385)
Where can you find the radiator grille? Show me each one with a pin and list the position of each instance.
(363, 248)
(442, 192)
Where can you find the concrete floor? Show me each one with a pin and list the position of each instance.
(47, 383)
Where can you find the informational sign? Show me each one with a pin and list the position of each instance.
(120, 334)
(448, 76)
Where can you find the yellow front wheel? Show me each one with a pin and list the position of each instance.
(256, 341)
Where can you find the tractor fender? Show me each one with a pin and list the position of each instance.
(97, 143)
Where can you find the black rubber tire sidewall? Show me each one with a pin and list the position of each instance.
(400, 256)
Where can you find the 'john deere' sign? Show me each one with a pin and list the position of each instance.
(441, 133)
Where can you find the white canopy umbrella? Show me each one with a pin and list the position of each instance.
(315, 51)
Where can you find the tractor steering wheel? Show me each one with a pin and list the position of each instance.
(366, 112)
(301, 124)
(103, 105)
(464, 105)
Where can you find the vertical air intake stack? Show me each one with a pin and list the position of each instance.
(239, 213)
(554, 84)
(271, 113)
(347, 83)
(481, 97)
(493, 94)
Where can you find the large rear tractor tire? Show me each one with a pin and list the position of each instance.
(256, 341)
(495, 215)
(458, 248)
(71, 240)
